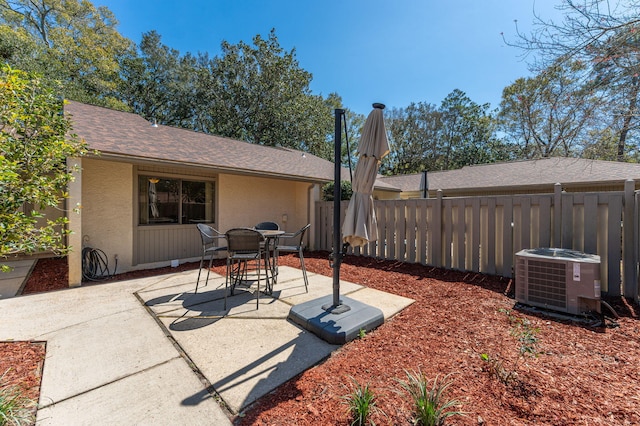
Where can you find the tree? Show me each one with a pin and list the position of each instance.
(605, 37)
(158, 83)
(551, 114)
(35, 143)
(414, 133)
(261, 95)
(468, 133)
(69, 41)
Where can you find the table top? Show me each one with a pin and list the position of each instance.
(270, 232)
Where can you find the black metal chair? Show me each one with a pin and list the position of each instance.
(298, 237)
(243, 245)
(210, 237)
(267, 226)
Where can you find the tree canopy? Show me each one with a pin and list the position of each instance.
(603, 37)
(425, 137)
(69, 41)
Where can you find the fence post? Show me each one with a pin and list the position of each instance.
(557, 215)
(629, 264)
(636, 242)
(437, 230)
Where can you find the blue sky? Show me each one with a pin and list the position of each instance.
(394, 52)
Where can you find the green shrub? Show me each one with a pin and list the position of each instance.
(361, 402)
(14, 408)
(527, 340)
(345, 191)
(431, 408)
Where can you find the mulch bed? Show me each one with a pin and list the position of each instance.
(584, 374)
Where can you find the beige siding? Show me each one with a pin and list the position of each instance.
(107, 211)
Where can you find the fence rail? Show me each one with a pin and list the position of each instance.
(482, 234)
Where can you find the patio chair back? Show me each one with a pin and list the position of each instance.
(243, 245)
(244, 240)
(208, 234)
(209, 237)
(268, 226)
(296, 247)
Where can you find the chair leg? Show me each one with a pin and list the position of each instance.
(199, 270)
(206, 282)
(226, 283)
(258, 290)
(304, 271)
(268, 268)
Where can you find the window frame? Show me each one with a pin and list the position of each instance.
(148, 174)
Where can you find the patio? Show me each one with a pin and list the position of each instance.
(247, 353)
(151, 349)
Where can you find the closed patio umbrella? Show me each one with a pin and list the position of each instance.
(360, 226)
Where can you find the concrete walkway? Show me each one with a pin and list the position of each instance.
(11, 282)
(150, 351)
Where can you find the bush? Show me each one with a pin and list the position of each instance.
(431, 408)
(345, 191)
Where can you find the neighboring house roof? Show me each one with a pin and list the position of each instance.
(522, 174)
(117, 134)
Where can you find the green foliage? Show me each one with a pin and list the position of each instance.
(431, 407)
(552, 113)
(361, 403)
(257, 93)
(36, 142)
(345, 191)
(604, 41)
(458, 133)
(527, 340)
(70, 41)
(362, 333)
(14, 408)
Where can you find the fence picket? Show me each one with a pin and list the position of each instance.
(482, 234)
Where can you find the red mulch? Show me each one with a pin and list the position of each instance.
(585, 374)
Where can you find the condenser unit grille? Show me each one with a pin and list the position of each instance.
(547, 283)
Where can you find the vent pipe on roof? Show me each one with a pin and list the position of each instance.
(155, 123)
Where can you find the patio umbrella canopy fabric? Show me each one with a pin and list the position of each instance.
(360, 225)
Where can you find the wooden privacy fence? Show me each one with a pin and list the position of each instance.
(482, 234)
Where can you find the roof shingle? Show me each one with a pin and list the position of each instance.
(525, 173)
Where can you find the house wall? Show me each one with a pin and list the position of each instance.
(107, 209)
(386, 195)
(110, 223)
(245, 201)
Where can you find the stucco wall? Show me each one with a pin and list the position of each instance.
(244, 201)
(107, 209)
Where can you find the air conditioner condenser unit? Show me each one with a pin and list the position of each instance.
(558, 279)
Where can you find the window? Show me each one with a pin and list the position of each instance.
(168, 200)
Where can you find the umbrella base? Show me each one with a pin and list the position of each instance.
(336, 325)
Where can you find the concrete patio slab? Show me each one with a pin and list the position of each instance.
(145, 351)
(165, 394)
(126, 342)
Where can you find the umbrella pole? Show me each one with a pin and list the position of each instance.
(338, 253)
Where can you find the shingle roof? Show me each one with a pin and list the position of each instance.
(526, 173)
(121, 134)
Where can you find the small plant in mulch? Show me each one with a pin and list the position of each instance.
(527, 340)
(431, 406)
(14, 408)
(361, 402)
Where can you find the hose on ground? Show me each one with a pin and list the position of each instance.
(95, 265)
